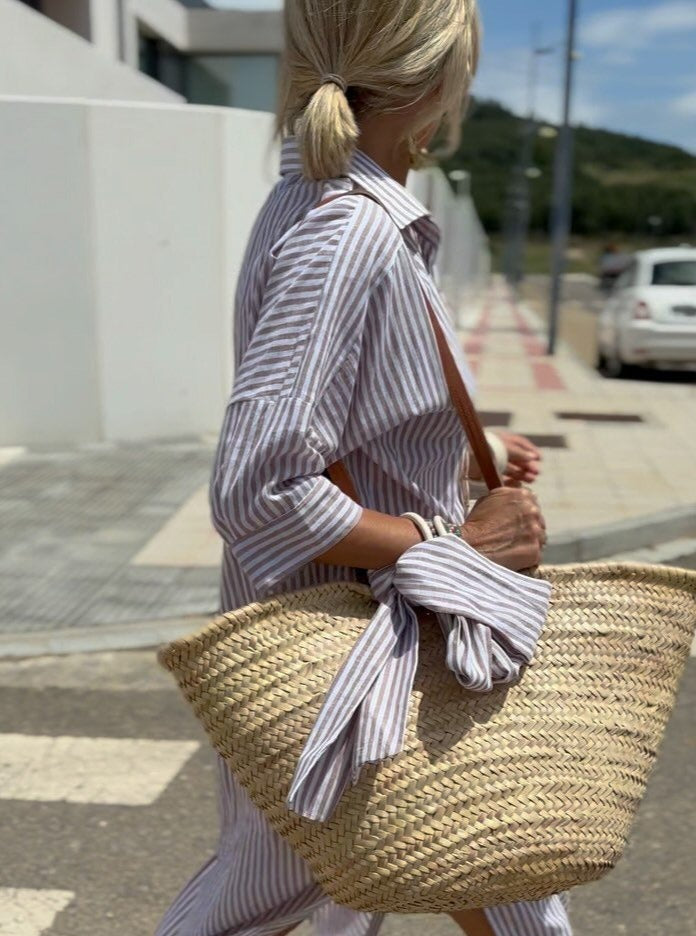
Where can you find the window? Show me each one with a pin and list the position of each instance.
(674, 273)
(246, 81)
(164, 63)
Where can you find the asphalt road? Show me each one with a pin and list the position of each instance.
(113, 866)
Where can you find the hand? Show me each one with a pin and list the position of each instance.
(523, 461)
(507, 527)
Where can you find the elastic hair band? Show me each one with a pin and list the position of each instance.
(334, 79)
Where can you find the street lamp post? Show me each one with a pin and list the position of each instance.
(561, 212)
(519, 200)
(457, 176)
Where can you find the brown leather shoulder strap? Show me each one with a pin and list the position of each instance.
(458, 394)
(464, 406)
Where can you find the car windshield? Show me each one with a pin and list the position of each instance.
(675, 273)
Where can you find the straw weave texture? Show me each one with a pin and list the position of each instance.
(512, 795)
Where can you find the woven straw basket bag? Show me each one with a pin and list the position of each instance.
(507, 796)
(511, 795)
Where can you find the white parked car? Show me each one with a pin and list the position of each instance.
(650, 317)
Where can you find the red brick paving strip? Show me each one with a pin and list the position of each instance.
(546, 376)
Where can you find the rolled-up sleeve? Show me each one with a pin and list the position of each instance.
(292, 397)
(269, 499)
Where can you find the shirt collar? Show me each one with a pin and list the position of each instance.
(402, 206)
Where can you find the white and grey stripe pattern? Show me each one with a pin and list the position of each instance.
(491, 619)
(334, 358)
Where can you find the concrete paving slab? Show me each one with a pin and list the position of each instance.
(187, 539)
(74, 520)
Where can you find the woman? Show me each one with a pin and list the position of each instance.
(335, 359)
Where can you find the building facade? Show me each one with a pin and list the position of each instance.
(127, 204)
(202, 53)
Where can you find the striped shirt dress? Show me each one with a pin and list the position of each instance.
(334, 359)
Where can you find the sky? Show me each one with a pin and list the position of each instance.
(636, 70)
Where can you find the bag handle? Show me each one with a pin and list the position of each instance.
(465, 408)
(459, 395)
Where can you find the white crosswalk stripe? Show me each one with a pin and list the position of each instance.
(113, 771)
(9, 453)
(28, 912)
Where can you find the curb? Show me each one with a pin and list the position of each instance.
(603, 542)
(680, 553)
(134, 636)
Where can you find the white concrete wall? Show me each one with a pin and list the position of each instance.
(49, 387)
(124, 228)
(118, 260)
(105, 28)
(464, 261)
(236, 30)
(39, 57)
(165, 18)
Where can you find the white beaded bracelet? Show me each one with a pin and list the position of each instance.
(425, 529)
(429, 529)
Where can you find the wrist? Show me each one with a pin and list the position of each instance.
(469, 534)
(413, 534)
(430, 529)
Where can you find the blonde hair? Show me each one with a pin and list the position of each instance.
(344, 58)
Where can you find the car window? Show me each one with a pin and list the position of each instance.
(674, 273)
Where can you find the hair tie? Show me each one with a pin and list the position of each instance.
(333, 79)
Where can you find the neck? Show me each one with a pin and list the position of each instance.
(377, 140)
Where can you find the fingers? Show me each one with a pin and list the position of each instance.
(522, 448)
(536, 516)
(527, 473)
(530, 469)
(529, 449)
(532, 451)
(523, 465)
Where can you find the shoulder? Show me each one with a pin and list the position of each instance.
(352, 233)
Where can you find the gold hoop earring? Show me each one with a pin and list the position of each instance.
(419, 156)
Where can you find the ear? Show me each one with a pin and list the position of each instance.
(424, 137)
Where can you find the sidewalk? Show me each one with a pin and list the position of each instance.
(110, 546)
(95, 540)
(612, 449)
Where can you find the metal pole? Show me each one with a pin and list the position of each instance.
(561, 211)
(519, 196)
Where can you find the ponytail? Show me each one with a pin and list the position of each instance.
(327, 131)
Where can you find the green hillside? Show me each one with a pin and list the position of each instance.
(620, 181)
